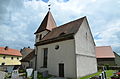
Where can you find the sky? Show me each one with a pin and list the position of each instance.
(19, 19)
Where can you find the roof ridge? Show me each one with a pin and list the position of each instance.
(103, 46)
(28, 48)
(10, 48)
(48, 23)
(104, 52)
(10, 51)
(60, 26)
(68, 28)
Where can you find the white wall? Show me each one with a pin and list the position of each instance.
(85, 65)
(25, 64)
(65, 54)
(85, 51)
(43, 34)
(32, 63)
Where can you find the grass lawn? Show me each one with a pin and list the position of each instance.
(108, 72)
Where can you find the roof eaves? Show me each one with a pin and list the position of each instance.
(11, 55)
(105, 57)
(60, 38)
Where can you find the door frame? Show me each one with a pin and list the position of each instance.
(61, 69)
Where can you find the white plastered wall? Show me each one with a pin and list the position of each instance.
(43, 33)
(65, 54)
(85, 51)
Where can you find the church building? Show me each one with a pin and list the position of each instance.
(67, 50)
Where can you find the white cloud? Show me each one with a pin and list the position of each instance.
(110, 36)
(103, 18)
(94, 0)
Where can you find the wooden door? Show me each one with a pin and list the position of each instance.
(61, 70)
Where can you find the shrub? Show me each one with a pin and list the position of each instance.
(30, 78)
(39, 76)
(24, 74)
(95, 77)
(114, 77)
(21, 71)
(8, 75)
(107, 66)
(110, 68)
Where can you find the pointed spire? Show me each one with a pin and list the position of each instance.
(48, 23)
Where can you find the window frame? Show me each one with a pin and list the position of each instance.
(40, 36)
(12, 58)
(3, 63)
(4, 57)
(17, 58)
(45, 57)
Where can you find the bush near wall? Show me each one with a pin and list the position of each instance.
(109, 68)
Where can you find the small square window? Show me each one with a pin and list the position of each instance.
(40, 37)
(12, 58)
(36, 36)
(17, 58)
(4, 57)
(3, 64)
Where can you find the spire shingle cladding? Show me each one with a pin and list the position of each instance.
(48, 23)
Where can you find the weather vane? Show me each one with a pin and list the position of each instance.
(49, 6)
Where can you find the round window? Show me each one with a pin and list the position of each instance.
(57, 47)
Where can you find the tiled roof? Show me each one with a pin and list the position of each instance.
(30, 56)
(10, 51)
(48, 23)
(104, 52)
(68, 28)
(25, 51)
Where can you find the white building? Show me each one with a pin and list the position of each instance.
(67, 50)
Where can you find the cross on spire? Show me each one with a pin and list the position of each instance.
(49, 6)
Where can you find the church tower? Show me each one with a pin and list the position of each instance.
(46, 26)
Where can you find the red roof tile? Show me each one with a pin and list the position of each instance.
(104, 52)
(9, 51)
